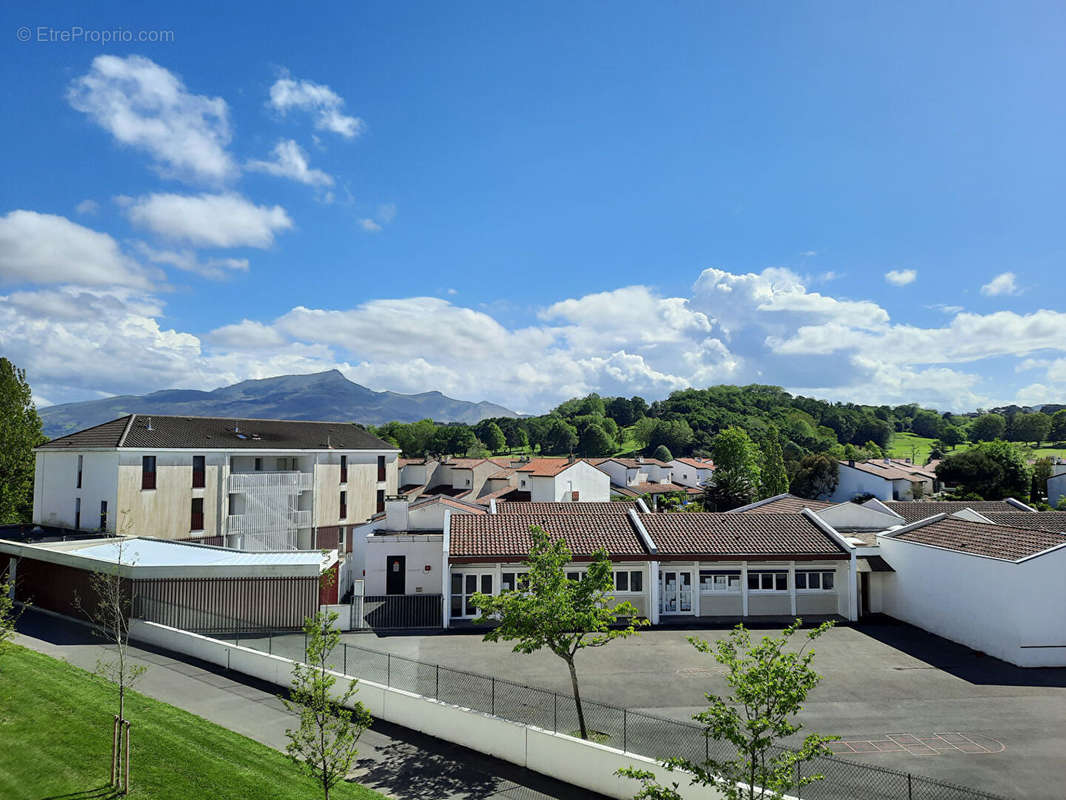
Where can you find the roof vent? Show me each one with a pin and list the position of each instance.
(149, 427)
(236, 426)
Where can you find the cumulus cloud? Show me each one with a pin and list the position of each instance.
(291, 162)
(209, 220)
(147, 107)
(87, 207)
(1003, 284)
(324, 104)
(189, 261)
(47, 248)
(901, 277)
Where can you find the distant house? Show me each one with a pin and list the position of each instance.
(560, 480)
(692, 472)
(635, 471)
(885, 479)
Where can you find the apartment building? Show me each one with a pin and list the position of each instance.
(253, 484)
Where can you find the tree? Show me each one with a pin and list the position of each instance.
(769, 685)
(491, 436)
(662, 453)
(729, 488)
(560, 438)
(987, 428)
(927, 423)
(8, 616)
(952, 436)
(551, 611)
(414, 438)
(111, 604)
(816, 478)
(1031, 427)
(734, 450)
(20, 432)
(1058, 426)
(594, 442)
(773, 473)
(992, 470)
(674, 434)
(1042, 470)
(517, 438)
(330, 726)
(643, 429)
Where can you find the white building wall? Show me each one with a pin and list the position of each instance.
(687, 475)
(852, 482)
(55, 488)
(1056, 489)
(592, 485)
(423, 559)
(1010, 611)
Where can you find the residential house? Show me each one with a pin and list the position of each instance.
(885, 479)
(561, 480)
(693, 473)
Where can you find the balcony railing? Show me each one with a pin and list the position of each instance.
(263, 523)
(251, 481)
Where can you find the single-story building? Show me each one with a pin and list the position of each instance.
(885, 479)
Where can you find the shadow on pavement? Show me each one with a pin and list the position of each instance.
(956, 659)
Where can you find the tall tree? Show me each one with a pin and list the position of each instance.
(20, 432)
(491, 436)
(774, 475)
(1031, 427)
(594, 442)
(1058, 426)
(991, 470)
(988, 427)
(737, 474)
(560, 438)
(816, 478)
(768, 686)
(330, 723)
(551, 611)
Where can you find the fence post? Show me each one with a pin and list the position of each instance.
(625, 730)
(270, 644)
(345, 659)
(436, 690)
(910, 790)
(555, 715)
(388, 673)
(493, 706)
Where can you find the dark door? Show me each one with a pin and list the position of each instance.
(864, 594)
(395, 574)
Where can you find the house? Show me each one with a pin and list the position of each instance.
(561, 480)
(191, 586)
(885, 479)
(251, 484)
(626, 472)
(691, 472)
(995, 588)
(467, 478)
(1056, 485)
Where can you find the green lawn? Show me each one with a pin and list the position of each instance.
(55, 730)
(907, 445)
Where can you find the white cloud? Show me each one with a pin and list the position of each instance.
(147, 107)
(210, 220)
(87, 207)
(291, 162)
(318, 99)
(187, 260)
(369, 225)
(46, 248)
(947, 309)
(387, 212)
(1002, 284)
(901, 277)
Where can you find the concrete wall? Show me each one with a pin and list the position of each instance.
(165, 512)
(55, 488)
(1011, 611)
(852, 482)
(1056, 489)
(584, 764)
(420, 552)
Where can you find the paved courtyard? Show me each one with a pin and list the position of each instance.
(897, 697)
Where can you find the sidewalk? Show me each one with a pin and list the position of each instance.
(393, 760)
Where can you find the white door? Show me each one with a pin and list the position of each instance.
(676, 592)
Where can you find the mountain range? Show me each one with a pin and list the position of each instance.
(318, 396)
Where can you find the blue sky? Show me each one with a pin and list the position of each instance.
(521, 203)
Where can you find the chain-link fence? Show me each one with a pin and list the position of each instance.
(630, 731)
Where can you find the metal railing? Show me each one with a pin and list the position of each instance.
(251, 481)
(631, 731)
(403, 611)
(265, 522)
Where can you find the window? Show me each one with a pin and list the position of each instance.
(381, 500)
(103, 515)
(768, 581)
(77, 512)
(198, 471)
(259, 465)
(719, 580)
(148, 472)
(196, 520)
(344, 469)
(510, 581)
(344, 505)
(286, 464)
(381, 468)
(81, 462)
(464, 586)
(573, 576)
(629, 581)
(815, 580)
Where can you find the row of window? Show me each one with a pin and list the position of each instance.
(773, 580)
(380, 498)
(199, 470)
(77, 513)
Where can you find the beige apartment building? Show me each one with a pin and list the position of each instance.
(254, 484)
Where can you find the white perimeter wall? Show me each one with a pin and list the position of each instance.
(1010, 611)
(585, 764)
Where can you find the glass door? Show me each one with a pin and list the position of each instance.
(675, 596)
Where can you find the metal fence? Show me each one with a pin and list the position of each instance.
(631, 731)
(403, 611)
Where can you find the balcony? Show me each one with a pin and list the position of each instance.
(284, 481)
(267, 523)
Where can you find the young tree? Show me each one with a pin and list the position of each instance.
(110, 606)
(330, 726)
(565, 616)
(20, 432)
(774, 475)
(769, 685)
(727, 489)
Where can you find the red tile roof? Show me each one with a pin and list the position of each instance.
(739, 535)
(982, 539)
(656, 488)
(894, 470)
(790, 504)
(698, 463)
(620, 507)
(631, 463)
(506, 537)
(546, 467)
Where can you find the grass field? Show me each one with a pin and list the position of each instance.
(55, 729)
(907, 445)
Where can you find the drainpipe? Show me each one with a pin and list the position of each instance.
(653, 604)
(445, 575)
(853, 587)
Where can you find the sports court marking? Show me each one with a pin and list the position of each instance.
(935, 744)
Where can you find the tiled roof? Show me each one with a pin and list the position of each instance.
(894, 470)
(698, 463)
(789, 504)
(498, 494)
(658, 488)
(631, 463)
(506, 537)
(434, 499)
(914, 510)
(1054, 521)
(982, 539)
(546, 467)
(502, 475)
(738, 535)
(620, 507)
(209, 433)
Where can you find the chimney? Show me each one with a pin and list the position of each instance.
(575, 497)
(640, 459)
(149, 427)
(851, 462)
(396, 514)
